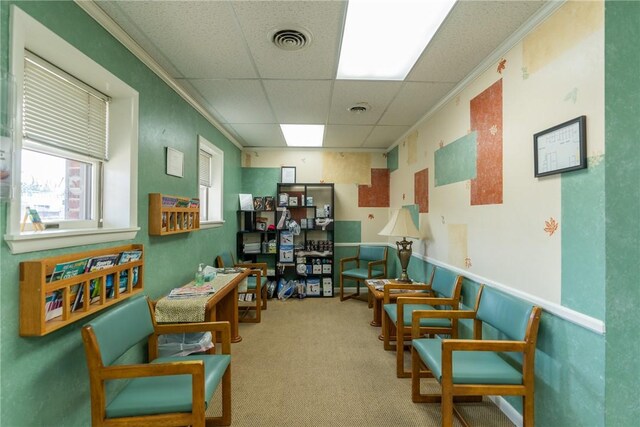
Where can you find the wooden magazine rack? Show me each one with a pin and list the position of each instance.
(165, 219)
(35, 287)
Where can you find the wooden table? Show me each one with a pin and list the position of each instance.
(223, 305)
(377, 296)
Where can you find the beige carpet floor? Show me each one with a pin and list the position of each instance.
(318, 362)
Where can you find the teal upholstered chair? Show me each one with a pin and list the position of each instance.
(166, 390)
(444, 288)
(476, 367)
(370, 263)
(259, 293)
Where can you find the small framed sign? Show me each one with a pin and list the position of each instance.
(561, 148)
(288, 174)
(175, 162)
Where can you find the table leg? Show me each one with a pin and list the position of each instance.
(377, 312)
(227, 309)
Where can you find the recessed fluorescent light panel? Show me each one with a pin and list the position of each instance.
(303, 135)
(383, 39)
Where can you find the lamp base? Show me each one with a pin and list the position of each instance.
(404, 254)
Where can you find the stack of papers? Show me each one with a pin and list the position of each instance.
(189, 291)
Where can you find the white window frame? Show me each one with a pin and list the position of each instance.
(215, 198)
(120, 192)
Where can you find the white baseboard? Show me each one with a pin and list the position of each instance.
(514, 416)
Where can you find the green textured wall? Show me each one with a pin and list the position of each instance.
(622, 184)
(348, 231)
(44, 380)
(260, 181)
(457, 160)
(583, 231)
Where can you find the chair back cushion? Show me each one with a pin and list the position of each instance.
(444, 283)
(505, 313)
(227, 259)
(371, 253)
(120, 328)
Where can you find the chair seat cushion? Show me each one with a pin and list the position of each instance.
(362, 273)
(251, 282)
(469, 367)
(166, 394)
(392, 311)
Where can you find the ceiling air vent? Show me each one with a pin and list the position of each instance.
(359, 108)
(291, 39)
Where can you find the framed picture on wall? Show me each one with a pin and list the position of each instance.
(288, 174)
(561, 148)
(175, 162)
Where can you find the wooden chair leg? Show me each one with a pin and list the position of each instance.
(225, 418)
(415, 375)
(527, 410)
(344, 296)
(386, 332)
(400, 372)
(447, 407)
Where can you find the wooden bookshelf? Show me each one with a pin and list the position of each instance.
(165, 220)
(35, 286)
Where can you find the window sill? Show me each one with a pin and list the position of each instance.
(54, 239)
(211, 224)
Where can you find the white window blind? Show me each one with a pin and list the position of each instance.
(61, 111)
(204, 167)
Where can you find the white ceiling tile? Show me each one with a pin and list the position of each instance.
(200, 39)
(470, 33)
(322, 19)
(413, 102)
(345, 136)
(384, 136)
(299, 101)
(260, 135)
(346, 93)
(238, 101)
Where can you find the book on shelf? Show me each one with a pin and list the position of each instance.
(258, 204)
(194, 203)
(168, 201)
(129, 256)
(269, 203)
(68, 269)
(246, 202)
(53, 305)
(101, 262)
(183, 203)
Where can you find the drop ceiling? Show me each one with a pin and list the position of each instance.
(222, 55)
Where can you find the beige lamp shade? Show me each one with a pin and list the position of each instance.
(401, 225)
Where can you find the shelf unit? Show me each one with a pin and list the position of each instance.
(309, 256)
(165, 218)
(250, 234)
(34, 288)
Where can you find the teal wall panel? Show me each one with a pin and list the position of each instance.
(583, 240)
(392, 159)
(622, 184)
(456, 161)
(415, 214)
(260, 181)
(44, 380)
(347, 231)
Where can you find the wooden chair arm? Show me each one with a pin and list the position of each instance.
(187, 367)
(254, 265)
(437, 314)
(449, 345)
(419, 299)
(346, 260)
(389, 287)
(378, 262)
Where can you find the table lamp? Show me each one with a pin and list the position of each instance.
(401, 225)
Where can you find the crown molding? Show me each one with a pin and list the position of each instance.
(99, 15)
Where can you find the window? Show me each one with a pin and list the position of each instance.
(64, 143)
(86, 185)
(210, 173)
